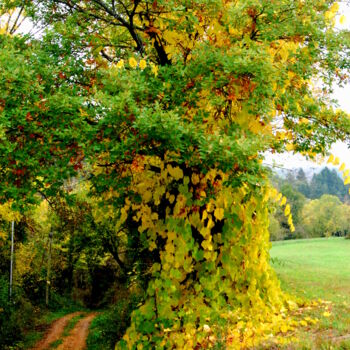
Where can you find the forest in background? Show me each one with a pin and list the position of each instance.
(319, 205)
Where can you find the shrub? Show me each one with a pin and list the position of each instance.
(110, 326)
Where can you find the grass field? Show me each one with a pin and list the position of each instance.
(316, 269)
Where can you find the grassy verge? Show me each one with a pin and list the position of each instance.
(109, 326)
(318, 269)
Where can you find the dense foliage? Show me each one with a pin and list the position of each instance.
(165, 108)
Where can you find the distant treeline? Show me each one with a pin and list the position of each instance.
(319, 206)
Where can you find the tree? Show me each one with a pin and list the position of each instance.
(168, 107)
(327, 182)
(326, 216)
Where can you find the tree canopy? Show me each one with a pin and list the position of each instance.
(165, 108)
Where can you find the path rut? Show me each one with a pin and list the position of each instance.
(54, 332)
(76, 340)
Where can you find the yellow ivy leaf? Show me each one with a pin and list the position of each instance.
(284, 328)
(342, 167)
(287, 210)
(292, 305)
(195, 179)
(169, 248)
(205, 215)
(154, 216)
(334, 8)
(132, 62)
(342, 20)
(206, 244)
(152, 246)
(209, 207)
(143, 64)
(120, 64)
(283, 201)
(219, 213)
(171, 236)
(147, 196)
(330, 159)
(289, 147)
(154, 69)
(176, 172)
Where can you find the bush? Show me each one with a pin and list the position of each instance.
(109, 327)
(15, 316)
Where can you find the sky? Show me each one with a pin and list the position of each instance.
(289, 160)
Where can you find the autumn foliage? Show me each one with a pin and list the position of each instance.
(167, 108)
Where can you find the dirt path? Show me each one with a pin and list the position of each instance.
(54, 332)
(76, 340)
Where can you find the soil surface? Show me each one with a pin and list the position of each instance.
(76, 340)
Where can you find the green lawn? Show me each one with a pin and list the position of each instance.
(319, 269)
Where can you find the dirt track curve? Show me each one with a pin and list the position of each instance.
(76, 340)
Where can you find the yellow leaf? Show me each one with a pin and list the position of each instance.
(346, 173)
(143, 64)
(120, 64)
(205, 215)
(154, 216)
(171, 199)
(154, 69)
(219, 213)
(303, 323)
(289, 147)
(284, 328)
(336, 161)
(342, 167)
(292, 305)
(147, 196)
(326, 314)
(176, 172)
(330, 159)
(206, 244)
(171, 236)
(152, 246)
(132, 62)
(195, 179)
(210, 207)
(334, 8)
(287, 210)
(169, 248)
(283, 201)
(342, 20)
